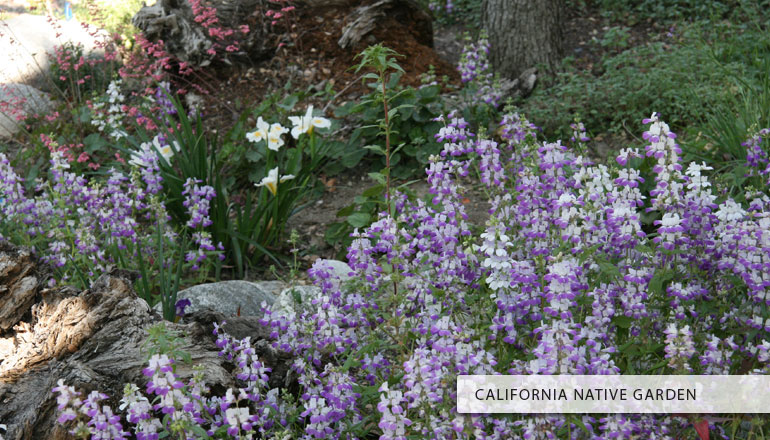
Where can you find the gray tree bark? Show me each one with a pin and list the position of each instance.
(523, 34)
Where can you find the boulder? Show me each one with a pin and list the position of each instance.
(26, 40)
(230, 298)
(299, 298)
(295, 299)
(341, 269)
(17, 102)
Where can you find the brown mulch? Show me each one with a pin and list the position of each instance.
(310, 58)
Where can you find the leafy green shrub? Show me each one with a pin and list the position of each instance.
(729, 126)
(678, 76)
(448, 12)
(680, 10)
(412, 124)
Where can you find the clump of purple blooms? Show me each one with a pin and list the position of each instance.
(439, 6)
(475, 71)
(565, 277)
(182, 409)
(757, 157)
(83, 228)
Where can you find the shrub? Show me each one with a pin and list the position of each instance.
(563, 279)
(681, 10)
(412, 123)
(685, 74)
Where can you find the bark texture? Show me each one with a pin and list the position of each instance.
(93, 340)
(173, 22)
(523, 34)
(365, 18)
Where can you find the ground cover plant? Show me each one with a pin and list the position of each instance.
(654, 261)
(564, 278)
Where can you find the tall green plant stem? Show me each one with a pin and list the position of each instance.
(387, 146)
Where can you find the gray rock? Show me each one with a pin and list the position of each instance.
(18, 101)
(341, 269)
(26, 40)
(295, 299)
(299, 298)
(272, 287)
(228, 298)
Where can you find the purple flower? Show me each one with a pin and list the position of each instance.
(181, 305)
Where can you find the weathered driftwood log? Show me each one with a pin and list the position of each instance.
(19, 281)
(173, 22)
(93, 340)
(366, 18)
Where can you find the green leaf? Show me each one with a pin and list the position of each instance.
(296, 296)
(609, 269)
(289, 102)
(254, 156)
(378, 177)
(353, 157)
(336, 232)
(657, 366)
(578, 421)
(350, 362)
(644, 249)
(374, 191)
(94, 142)
(428, 92)
(345, 109)
(346, 211)
(359, 219)
(659, 279)
(623, 321)
(84, 115)
(375, 148)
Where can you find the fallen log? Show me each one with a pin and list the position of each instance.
(366, 18)
(93, 340)
(174, 23)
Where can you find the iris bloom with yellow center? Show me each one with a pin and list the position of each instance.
(305, 124)
(274, 140)
(269, 133)
(263, 128)
(271, 180)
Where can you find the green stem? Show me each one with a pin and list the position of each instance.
(393, 275)
(387, 144)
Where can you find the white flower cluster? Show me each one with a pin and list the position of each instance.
(107, 112)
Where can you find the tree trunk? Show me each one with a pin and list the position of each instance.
(523, 34)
